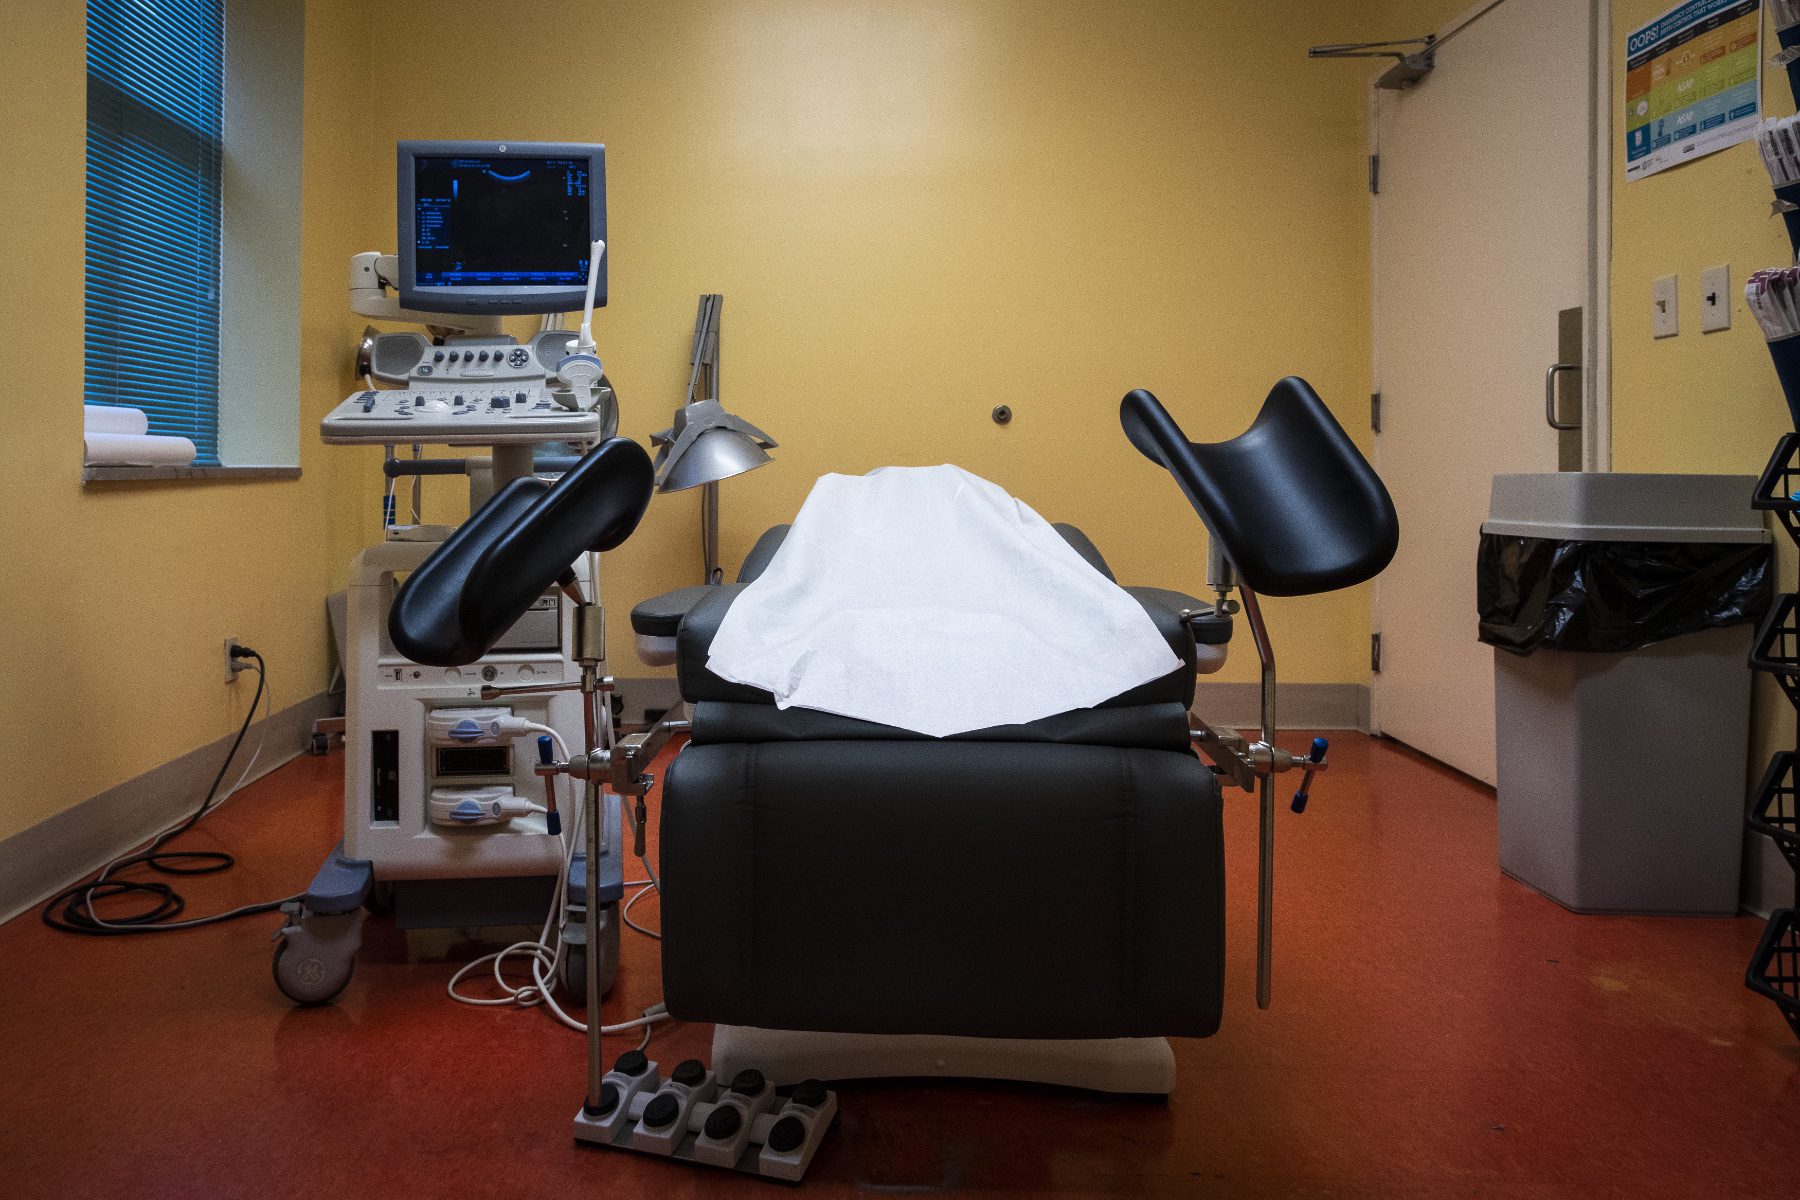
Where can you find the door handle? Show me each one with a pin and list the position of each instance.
(1550, 396)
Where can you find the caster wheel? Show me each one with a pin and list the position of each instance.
(574, 973)
(320, 744)
(310, 976)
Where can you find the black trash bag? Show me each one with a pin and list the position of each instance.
(1609, 597)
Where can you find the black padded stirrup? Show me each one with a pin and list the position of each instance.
(474, 587)
(1292, 501)
(423, 622)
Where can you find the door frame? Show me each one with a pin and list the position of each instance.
(1596, 404)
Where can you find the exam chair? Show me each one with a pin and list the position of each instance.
(1040, 902)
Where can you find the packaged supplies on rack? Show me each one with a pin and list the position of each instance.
(1774, 300)
(1778, 140)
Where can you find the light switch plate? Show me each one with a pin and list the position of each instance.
(1665, 307)
(1715, 299)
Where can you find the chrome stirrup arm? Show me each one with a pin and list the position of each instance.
(1254, 765)
(1265, 838)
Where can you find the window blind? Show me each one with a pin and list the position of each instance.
(155, 80)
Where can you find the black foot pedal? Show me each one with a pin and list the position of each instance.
(745, 1125)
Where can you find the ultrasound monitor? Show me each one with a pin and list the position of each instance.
(499, 227)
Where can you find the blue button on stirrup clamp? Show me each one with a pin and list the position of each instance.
(546, 756)
(1319, 746)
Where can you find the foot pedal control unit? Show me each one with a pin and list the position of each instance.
(744, 1124)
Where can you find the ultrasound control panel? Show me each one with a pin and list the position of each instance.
(480, 392)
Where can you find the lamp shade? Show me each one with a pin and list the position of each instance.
(715, 455)
(705, 445)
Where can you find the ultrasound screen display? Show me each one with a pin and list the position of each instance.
(501, 222)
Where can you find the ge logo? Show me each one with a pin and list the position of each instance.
(311, 972)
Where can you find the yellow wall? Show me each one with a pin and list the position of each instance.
(918, 211)
(117, 598)
(915, 212)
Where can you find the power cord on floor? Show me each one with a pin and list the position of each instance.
(72, 909)
(544, 956)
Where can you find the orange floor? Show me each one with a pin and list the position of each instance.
(1438, 1030)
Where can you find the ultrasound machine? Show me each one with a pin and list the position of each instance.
(446, 824)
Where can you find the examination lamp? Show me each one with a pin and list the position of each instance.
(707, 444)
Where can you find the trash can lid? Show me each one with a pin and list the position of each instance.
(1592, 506)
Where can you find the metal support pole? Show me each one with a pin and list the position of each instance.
(591, 913)
(513, 462)
(707, 379)
(709, 525)
(1265, 858)
(590, 651)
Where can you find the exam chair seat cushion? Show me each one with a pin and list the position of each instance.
(941, 886)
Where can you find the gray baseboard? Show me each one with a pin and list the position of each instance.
(1297, 705)
(1236, 705)
(40, 861)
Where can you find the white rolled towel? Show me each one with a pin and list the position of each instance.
(137, 450)
(113, 418)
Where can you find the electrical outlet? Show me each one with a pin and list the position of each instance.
(1665, 307)
(232, 665)
(1715, 299)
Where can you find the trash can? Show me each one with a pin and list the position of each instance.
(1622, 610)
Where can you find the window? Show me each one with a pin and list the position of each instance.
(155, 80)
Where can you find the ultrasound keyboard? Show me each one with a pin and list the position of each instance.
(489, 393)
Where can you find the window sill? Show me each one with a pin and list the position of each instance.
(148, 474)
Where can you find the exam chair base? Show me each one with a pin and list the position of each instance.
(1129, 1066)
